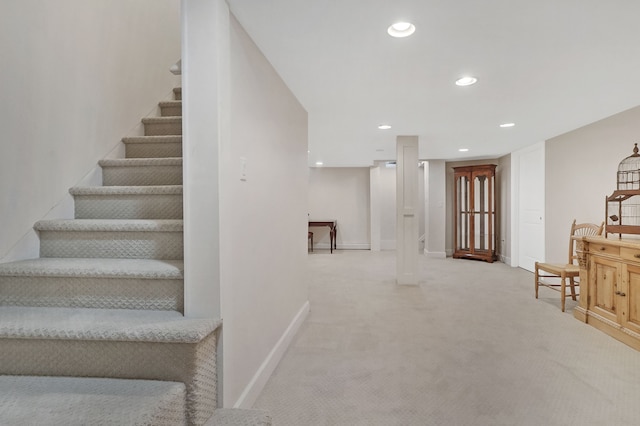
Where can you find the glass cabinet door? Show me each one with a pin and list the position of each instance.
(463, 220)
(480, 213)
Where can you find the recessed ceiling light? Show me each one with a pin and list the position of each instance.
(466, 81)
(379, 150)
(401, 29)
(319, 163)
(384, 127)
(463, 149)
(507, 124)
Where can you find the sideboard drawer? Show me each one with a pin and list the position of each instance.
(630, 253)
(596, 248)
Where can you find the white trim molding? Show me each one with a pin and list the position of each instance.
(435, 254)
(259, 380)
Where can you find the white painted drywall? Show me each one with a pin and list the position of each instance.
(205, 126)
(263, 221)
(75, 76)
(374, 207)
(436, 196)
(503, 205)
(387, 194)
(581, 168)
(341, 193)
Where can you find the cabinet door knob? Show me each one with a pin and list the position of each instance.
(619, 293)
(637, 256)
(603, 248)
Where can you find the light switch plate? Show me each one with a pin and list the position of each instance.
(243, 169)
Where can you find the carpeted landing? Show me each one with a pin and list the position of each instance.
(469, 346)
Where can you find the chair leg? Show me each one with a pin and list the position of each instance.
(572, 284)
(563, 287)
(536, 277)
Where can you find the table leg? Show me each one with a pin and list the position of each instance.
(331, 236)
(335, 237)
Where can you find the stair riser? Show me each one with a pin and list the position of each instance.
(128, 206)
(161, 129)
(113, 245)
(142, 175)
(193, 364)
(177, 93)
(153, 150)
(86, 292)
(171, 111)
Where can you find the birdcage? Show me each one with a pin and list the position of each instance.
(622, 208)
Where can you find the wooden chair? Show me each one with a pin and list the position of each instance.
(548, 274)
(311, 239)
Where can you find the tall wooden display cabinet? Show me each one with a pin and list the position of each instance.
(474, 212)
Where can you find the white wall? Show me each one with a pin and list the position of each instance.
(581, 168)
(263, 222)
(342, 194)
(503, 207)
(75, 76)
(436, 196)
(387, 207)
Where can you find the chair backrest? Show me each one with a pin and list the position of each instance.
(581, 230)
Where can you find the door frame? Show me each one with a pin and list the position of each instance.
(516, 217)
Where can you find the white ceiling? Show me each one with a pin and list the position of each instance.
(550, 66)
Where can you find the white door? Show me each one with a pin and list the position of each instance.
(530, 218)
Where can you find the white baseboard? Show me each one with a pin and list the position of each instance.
(505, 259)
(325, 246)
(435, 254)
(259, 380)
(449, 252)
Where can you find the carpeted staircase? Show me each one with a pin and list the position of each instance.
(92, 331)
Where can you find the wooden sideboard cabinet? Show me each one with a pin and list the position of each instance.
(610, 287)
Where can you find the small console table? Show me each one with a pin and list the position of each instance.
(333, 230)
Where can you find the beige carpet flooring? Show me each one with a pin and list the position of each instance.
(469, 346)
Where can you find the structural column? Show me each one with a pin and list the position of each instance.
(407, 210)
(205, 100)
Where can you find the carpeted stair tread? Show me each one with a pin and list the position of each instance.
(177, 93)
(102, 268)
(73, 401)
(122, 325)
(162, 120)
(144, 171)
(170, 103)
(153, 139)
(111, 238)
(110, 225)
(128, 202)
(138, 162)
(170, 108)
(127, 190)
(153, 146)
(239, 417)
